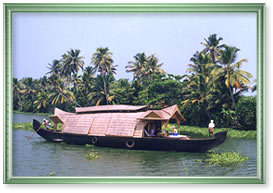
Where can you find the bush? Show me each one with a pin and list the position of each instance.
(195, 115)
(247, 112)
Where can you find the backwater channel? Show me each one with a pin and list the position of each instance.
(37, 157)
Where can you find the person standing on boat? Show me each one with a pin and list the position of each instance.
(211, 127)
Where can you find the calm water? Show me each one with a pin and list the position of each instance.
(17, 117)
(37, 157)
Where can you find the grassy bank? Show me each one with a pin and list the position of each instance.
(185, 130)
(28, 126)
(31, 113)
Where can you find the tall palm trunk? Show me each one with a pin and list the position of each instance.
(207, 111)
(83, 96)
(19, 98)
(69, 99)
(105, 88)
(229, 117)
(212, 53)
(232, 98)
(235, 107)
(231, 93)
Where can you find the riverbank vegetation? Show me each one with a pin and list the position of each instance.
(24, 126)
(28, 126)
(31, 113)
(212, 87)
(225, 158)
(195, 132)
(191, 131)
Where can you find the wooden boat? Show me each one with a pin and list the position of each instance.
(123, 126)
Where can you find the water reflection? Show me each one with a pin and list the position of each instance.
(37, 157)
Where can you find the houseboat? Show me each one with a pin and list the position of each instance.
(124, 126)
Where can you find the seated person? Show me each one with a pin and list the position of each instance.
(47, 124)
(153, 132)
(175, 132)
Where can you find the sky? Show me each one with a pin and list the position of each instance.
(39, 38)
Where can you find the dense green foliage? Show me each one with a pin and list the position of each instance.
(247, 112)
(211, 89)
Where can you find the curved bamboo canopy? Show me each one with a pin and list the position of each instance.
(113, 120)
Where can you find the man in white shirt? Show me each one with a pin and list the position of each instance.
(211, 127)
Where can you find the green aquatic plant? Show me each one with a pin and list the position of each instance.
(226, 158)
(92, 156)
(24, 126)
(198, 160)
(52, 174)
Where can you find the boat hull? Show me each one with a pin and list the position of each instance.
(147, 143)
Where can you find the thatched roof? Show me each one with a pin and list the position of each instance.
(163, 114)
(60, 116)
(107, 122)
(110, 108)
(102, 124)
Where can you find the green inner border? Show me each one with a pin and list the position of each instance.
(10, 8)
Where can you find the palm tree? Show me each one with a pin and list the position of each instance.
(28, 87)
(76, 80)
(54, 68)
(202, 65)
(103, 61)
(72, 62)
(98, 94)
(152, 66)
(231, 74)
(137, 66)
(17, 88)
(87, 78)
(199, 89)
(42, 99)
(143, 67)
(60, 92)
(44, 82)
(212, 47)
(87, 82)
(254, 87)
